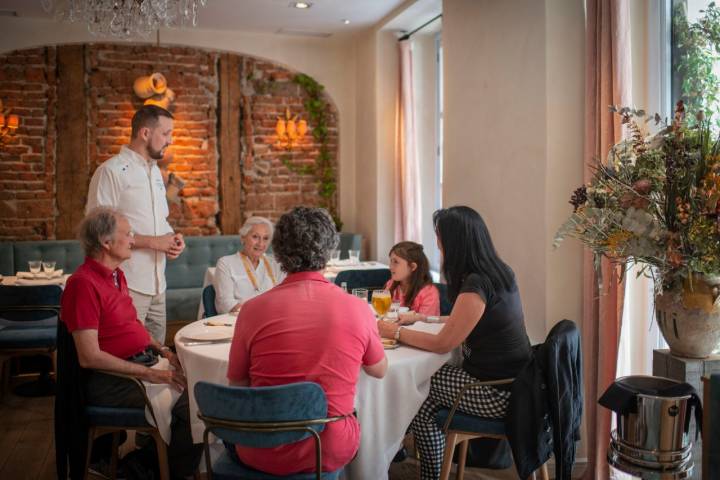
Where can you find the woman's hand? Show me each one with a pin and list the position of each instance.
(408, 318)
(387, 329)
(236, 308)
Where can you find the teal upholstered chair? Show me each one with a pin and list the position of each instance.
(262, 417)
(28, 322)
(445, 304)
(208, 299)
(349, 241)
(711, 427)
(369, 279)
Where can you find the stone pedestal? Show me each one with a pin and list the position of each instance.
(689, 370)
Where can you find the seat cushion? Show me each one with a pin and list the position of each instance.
(24, 337)
(116, 416)
(470, 423)
(225, 468)
(182, 304)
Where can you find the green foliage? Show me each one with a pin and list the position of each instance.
(696, 51)
(317, 109)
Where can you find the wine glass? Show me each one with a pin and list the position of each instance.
(48, 268)
(34, 266)
(381, 301)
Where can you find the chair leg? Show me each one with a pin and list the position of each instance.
(544, 472)
(114, 455)
(447, 459)
(461, 460)
(162, 455)
(53, 360)
(91, 438)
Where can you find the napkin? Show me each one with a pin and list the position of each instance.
(55, 274)
(40, 281)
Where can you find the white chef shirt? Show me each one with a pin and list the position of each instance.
(134, 187)
(232, 284)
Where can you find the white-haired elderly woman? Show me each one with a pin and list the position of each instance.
(249, 272)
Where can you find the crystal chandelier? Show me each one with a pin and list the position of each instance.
(125, 18)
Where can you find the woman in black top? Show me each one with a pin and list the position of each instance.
(486, 319)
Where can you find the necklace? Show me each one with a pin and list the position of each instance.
(251, 274)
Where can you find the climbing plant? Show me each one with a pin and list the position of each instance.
(323, 169)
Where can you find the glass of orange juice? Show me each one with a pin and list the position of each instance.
(381, 301)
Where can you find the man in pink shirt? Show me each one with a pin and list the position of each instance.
(306, 329)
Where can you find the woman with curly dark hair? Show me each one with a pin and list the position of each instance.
(306, 329)
(486, 320)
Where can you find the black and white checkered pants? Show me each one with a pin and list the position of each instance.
(483, 401)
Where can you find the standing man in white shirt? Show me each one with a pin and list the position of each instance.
(131, 183)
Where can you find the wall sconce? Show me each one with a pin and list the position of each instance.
(8, 123)
(153, 89)
(289, 130)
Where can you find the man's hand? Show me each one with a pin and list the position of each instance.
(178, 247)
(163, 243)
(174, 378)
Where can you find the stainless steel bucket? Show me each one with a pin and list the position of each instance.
(659, 423)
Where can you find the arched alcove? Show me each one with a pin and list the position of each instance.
(75, 103)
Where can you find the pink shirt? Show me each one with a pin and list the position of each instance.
(306, 329)
(427, 300)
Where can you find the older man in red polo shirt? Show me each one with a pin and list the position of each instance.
(98, 311)
(306, 329)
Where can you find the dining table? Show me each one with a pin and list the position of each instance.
(385, 407)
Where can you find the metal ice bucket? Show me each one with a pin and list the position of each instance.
(659, 423)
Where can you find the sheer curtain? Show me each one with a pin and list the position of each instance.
(408, 212)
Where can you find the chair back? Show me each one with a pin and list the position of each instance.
(711, 427)
(445, 304)
(208, 299)
(370, 279)
(349, 241)
(250, 416)
(34, 304)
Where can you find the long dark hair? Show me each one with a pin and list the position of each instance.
(412, 252)
(468, 248)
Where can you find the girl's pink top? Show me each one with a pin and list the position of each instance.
(427, 301)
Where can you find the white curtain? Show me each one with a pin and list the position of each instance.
(408, 212)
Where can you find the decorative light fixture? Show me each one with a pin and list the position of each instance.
(8, 123)
(124, 18)
(153, 89)
(301, 5)
(289, 130)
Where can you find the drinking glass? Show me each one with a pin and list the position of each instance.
(361, 293)
(354, 256)
(381, 301)
(34, 266)
(335, 256)
(48, 268)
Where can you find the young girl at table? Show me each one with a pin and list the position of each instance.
(410, 283)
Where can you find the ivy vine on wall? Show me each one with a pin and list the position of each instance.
(325, 173)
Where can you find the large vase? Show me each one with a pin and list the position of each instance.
(689, 319)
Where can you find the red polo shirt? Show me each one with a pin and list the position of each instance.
(306, 329)
(91, 300)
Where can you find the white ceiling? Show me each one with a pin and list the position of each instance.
(325, 16)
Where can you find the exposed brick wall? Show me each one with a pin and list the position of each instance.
(27, 159)
(27, 163)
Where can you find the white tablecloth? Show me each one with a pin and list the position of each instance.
(385, 406)
(330, 273)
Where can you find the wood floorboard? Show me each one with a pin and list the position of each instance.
(15, 416)
(27, 458)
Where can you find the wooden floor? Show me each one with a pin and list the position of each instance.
(27, 448)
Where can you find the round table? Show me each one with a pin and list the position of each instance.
(385, 407)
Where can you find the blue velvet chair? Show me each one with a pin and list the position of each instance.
(28, 323)
(349, 241)
(445, 305)
(208, 299)
(711, 427)
(460, 428)
(370, 279)
(262, 417)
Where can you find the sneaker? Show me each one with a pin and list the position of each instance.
(101, 469)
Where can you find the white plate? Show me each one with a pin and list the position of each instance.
(209, 333)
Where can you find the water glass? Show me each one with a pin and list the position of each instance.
(361, 293)
(48, 267)
(335, 256)
(34, 266)
(354, 256)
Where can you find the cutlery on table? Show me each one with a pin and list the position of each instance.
(218, 324)
(206, 342)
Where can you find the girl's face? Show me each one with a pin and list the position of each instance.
(401, 269)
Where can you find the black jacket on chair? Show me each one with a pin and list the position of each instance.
(546, 404)
(70, 425)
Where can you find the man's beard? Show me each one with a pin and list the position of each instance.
(156, 154)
